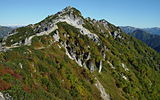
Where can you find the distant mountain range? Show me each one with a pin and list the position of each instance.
(4, 30)
(130, 29)
(150, 36)
(154, 30)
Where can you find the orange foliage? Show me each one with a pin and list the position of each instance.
(4, 85)
(10, 71)
(26, 88)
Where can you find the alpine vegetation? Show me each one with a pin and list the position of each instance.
(69, 57)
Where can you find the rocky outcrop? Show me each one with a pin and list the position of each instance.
(125, 67)
(100, 87)
(91, 65)
(5, 96)
(110, 64)
(104, 23)
(56, 36)
(1, 96)
(21, 66)
(100, 66)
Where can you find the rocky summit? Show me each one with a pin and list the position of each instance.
(69, 57)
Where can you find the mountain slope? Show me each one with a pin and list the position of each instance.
(154, 30)
(68, 57)
(151, 40)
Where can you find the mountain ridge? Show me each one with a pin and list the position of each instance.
(66, 56)
(150, 39)
(152, 30)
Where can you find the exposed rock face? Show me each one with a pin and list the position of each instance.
(21, 66)
(104, 22)
(100, 66)
(125, 67)
(91, 66)
(28, 41)
(124, 77)
(110, 64)
(5, 96)
(94, 37)
(1, 96)
(67, 51)
(104, 95)
(56, 37)
(115, 34)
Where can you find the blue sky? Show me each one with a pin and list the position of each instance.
(137, 13)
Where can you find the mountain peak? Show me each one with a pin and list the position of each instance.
(68, 7)
(70, 10)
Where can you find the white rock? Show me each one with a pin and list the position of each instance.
(15, 44)
(28, 41)
(20, 65)
(8, 97)
(100, 66)
(79, 62)
(72, 55)
(67, 52)
(56, 36)
(77, 23)
(124, 77)
(84, 65)
(110, 64)
(104, 56)
(1, 96)
(125, 67)
(94, 37)
(104, 95)
(59, 46)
